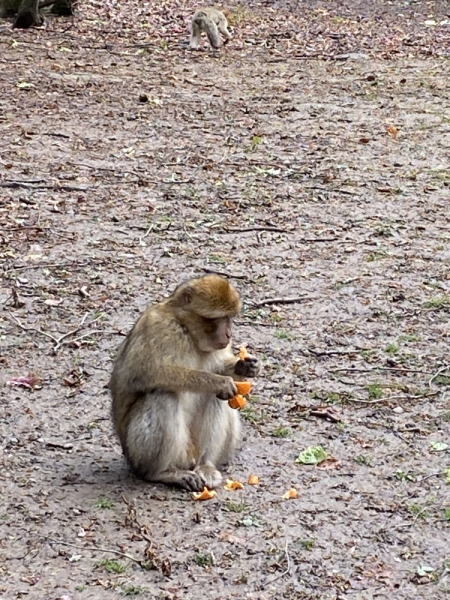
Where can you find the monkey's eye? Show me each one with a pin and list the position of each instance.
(209, 321)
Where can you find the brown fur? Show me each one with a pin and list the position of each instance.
(168, 375)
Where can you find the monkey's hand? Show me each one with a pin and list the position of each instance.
(229, 389)
(249, 367)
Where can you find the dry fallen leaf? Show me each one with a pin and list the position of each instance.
(253, 480)
(330, 464)
(233, 485)
(392, 130)
(29, 381)
(204, 495)
(229, 536)
(290, 494)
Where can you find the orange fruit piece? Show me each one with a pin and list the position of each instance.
(243, 354)
(243, 387)
(233, 485)
(290, 494)
(253, 480)
(237, 402)
(204, 495)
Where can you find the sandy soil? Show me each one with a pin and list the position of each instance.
(309, 159)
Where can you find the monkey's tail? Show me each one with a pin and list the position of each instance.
(210, 28)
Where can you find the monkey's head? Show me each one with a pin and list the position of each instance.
(205, 307)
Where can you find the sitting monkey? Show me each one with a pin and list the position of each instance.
(170, 379)
(211, 21)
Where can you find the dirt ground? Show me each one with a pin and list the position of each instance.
(308, 160)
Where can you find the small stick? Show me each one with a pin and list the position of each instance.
(332, 191)
(33, 329)
(60, 341)
(81, 337)
(255, 228)
(441, 370)
(318, 240)
(43, 186)
(389, 398)
(356, 370)
(324, 415)
(331, 352)
(280, 301)
(93, 549)
(223, 274)
(75, 263)
(63, 339)
(286, 572)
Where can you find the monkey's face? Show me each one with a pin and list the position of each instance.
(211, 334)
(205, 307)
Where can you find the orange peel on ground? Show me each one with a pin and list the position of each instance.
(290, 494)
(204, 495)
(243, 354)
(233, 485)
(253, 480)
(238, 401)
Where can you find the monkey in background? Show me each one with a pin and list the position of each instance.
(212, 21)
(169, 382)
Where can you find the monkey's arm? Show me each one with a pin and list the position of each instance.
(177, 379)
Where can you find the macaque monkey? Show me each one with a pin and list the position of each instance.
(212, 21)
(170, 379)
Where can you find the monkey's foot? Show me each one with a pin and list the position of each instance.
(189, 480)
(211, 477)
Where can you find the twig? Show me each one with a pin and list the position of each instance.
(76, 330)
(286, 572)
(146, 232)
(441, 370)
(255, 228)
(85, 335)
(268, 301)
(43, 186)
(223, 274)
(62, 339)
(332, 191)
(416, 518)
(438, 474)
(318, 240)
(75, 263)
(93, 549)
(324, 415)
(44, 333)
(356, 370)
(331, 352)
(389, 398)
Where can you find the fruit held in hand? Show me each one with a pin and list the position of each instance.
(238, 401)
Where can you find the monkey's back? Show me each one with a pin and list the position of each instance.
(156, 341)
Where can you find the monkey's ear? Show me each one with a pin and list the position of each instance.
(187, 295)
